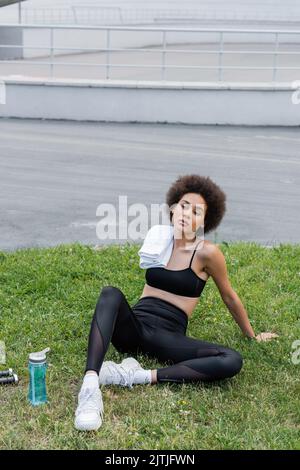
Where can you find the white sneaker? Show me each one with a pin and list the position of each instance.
(122, 374)
(89, 412)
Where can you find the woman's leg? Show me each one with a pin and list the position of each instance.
(192, 360)
(115, 321)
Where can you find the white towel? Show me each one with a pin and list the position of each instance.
(157, 246)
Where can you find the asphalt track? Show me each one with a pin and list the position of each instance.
(54, 175)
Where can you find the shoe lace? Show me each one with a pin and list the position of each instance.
(89, 401)
(125, 375)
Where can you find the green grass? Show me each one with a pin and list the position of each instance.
(47, 298)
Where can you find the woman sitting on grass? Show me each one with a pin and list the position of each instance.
(156, 325)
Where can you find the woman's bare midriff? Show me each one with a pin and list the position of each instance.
(187, 304)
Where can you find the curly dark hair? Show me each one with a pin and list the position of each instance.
(214, 197)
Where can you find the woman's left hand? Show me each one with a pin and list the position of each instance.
(265, 336)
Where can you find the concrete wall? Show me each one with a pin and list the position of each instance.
(10, 36)
(172, 102)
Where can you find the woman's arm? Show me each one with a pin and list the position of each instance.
(239, 313)
(215, 266)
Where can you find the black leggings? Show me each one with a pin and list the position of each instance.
(157, 328)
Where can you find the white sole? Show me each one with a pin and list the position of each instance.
(89, 427)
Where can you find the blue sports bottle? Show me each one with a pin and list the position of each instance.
(37, 365)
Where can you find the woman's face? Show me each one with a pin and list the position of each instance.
(188, 214)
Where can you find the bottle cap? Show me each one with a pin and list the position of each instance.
(39, 356)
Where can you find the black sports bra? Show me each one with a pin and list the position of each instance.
(181, 282)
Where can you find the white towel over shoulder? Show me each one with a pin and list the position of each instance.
(157, 246)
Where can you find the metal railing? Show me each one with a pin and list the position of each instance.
(102, 15)
(108, 50)
(76, 15)
(151, 12)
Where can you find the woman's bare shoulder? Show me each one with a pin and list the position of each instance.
(207, 255)
(208, 250)
(208, 247)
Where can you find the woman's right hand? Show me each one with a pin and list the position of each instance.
(265, 336)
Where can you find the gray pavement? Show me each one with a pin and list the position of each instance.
(54, 174)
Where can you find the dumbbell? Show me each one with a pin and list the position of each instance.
(6, 373)
(8, 377)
